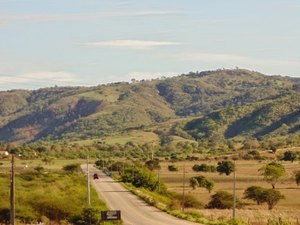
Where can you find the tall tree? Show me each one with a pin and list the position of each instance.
(272, 172)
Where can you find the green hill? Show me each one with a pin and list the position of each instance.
(226, 103)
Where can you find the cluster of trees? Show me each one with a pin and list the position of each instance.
(261, 195)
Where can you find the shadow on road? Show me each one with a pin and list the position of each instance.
(116, 191)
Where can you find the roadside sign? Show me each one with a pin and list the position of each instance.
(111, 215)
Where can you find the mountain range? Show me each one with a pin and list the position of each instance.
(212, 104)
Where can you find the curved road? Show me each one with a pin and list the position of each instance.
(134, 211)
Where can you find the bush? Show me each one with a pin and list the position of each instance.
(204, 168)
(39, 169)
(289, 156)
(222, 200)
(4, 215)
(152, 164)
(189, 201)
(297, 177)
(172, 167)
(72, 168)
(142, 177)
(89, 216)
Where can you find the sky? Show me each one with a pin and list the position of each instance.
(89, 42)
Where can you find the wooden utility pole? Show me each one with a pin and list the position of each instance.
(234, 195)
(12, 191)
(183, 189)
(158, 176)
(88, 182)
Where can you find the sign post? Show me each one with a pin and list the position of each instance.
(110, 215)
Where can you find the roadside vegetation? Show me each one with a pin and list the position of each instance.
(50, 197)
(207, 194)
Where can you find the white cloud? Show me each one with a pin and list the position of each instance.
(151, 75)
(47, 78)
(131, 44)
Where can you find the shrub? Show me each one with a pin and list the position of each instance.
(172, 167)
(189, 201)
(222, 200)
(89, 216)
(72, 168)
(152, 164)
(142, 177)
(4, 215)
(297, 177)
(204, 168)
(289, 156)
(39, 169)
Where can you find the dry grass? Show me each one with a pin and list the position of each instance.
(247, 175)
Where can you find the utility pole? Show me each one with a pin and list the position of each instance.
(158, 176)
(183, 189)
(234, 195)
(12, 191)
(88, 182)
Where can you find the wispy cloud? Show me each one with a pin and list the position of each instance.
(235, 59)
(40, 78)
(131, 44)
(44, 17)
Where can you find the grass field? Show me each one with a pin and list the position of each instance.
(247, 175)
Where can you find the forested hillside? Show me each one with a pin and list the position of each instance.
(224, 103)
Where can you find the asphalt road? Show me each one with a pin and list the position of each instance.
(134, 211)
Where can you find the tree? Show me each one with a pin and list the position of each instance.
(255, 193)
(297, 177)
(289, 156)
(226, 167)
(202, 181)
(272, 197)
(152, 164)
(272, 172)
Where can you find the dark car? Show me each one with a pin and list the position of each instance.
(95, 176)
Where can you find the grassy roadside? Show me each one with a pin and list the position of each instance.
(52, 197)
(162, 202)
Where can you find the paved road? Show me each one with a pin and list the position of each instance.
(134, 211)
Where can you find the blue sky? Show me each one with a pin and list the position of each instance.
(89, 42)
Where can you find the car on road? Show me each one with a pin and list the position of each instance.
(95, 176)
